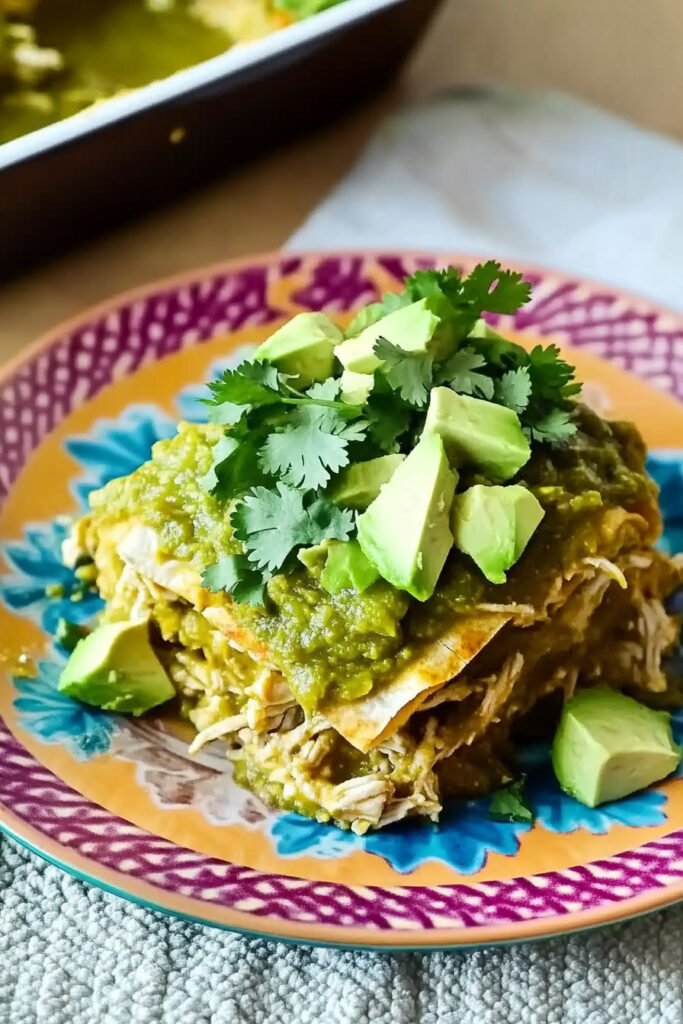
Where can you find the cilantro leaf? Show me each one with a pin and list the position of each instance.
(553, 428)
(490, 288)
(272, 524)
(388, 416)
(236, 575)
(435, 284)
(510, 804)
(460, 373)
(221, 451)
(321, 407)
(235, 467)
(459, 302)
(332, 421)
(514, 389)
(329, 521)
(304, 456)
(537, 385)
(315, 445)
(409, 373)
(441, 289)
(550, 375)
(227, 414)
(250, 384)
(499, 353)
(327, 390)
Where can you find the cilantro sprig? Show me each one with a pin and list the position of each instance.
(458, 301)
(281, 447)
(255, 385)
(390, 418)
(274, 524)
(307, 453)
(408, 373)
(237, 576)
(463, 372)
(537, 385)
(277, 432)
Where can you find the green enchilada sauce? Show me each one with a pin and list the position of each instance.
(107, 47)
(342, 646)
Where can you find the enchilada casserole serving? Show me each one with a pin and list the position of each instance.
(388, 553)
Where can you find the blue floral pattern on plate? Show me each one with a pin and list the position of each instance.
(52, 717)
(465, 835)
(666, 469)
(117, 447)
(38, 568)
(463, 839)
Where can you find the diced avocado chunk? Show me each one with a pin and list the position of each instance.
(493, 525)
(347, 568)
(304, 347)
(360, 483)
(478, 433)
(410, 328)
(608, 745)
(116, 669)
(374, 312)
(314, 558)
(356, 387)
(405, 532)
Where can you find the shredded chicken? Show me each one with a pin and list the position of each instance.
(231, 692)
(610, 569)
(216, 731)
(399, 777)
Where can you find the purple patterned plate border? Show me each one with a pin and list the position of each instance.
(40, 810)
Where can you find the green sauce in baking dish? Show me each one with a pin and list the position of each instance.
(108, 47)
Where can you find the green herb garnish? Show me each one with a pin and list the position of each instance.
(67, 634)
(314, 444)
(513, 389)
(236, 575)
(389, 417)
(462, 372)
(283, 447)
(274, 524)
(408, 373)
(510, 804)
(458, 301)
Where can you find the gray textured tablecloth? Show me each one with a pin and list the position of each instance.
(71, 954)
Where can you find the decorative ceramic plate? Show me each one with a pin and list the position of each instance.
(120, 803)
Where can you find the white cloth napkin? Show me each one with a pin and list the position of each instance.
(536, 177)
